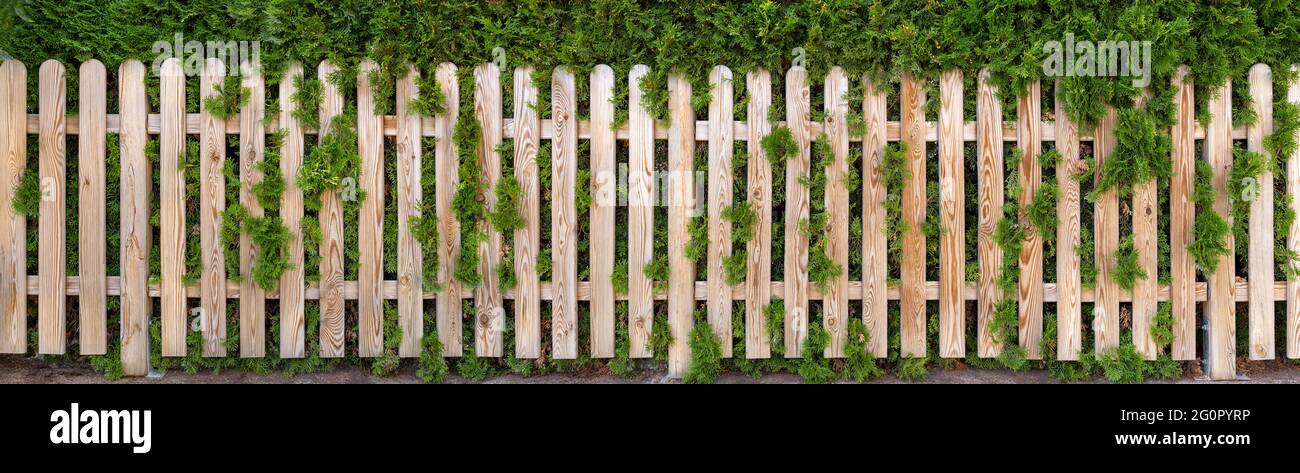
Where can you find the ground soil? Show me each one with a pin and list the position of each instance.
(17, 370)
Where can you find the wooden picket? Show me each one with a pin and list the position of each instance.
(171, 202)
(684, 296)
(988, 116)
(603, 202)
(1220, 309)
(1069, 318)
(410, 257)
(952, 215)
(252, 150)
(1029, 138)
(331, 230)
(92, 105)
(1182, 282)
(133, 103)
(641, 216)
(53, 183)
(835, 301)
(797, 111)
(720, 190)
(1260, 246)
(912, 276)
(1293, 235)
(489, 315)
(564, 216)
(681, 204)
(528, 297)
(758, 273)
(293, 322)
(370, 218)
(13, 226)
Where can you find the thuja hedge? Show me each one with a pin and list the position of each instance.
(880, 40)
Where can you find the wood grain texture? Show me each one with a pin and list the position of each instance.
(952, 218)
(835, 305)
(992, 186)
(1293, 233)
(13, 226)
(1029, 135)
(913, 260)
(410, 257)
(449, 298)
(92, 102)
(252, 150)
(798, 110)
(1182, 216)
(758, 269)
(875, 258)
(721, 141)
(52, 247)
(489, 313)
(1260, 247)
(171, 205)
(564, 216)
(370, 218)
(641, 216)
(136, 183)
(604, 182)
(1105, 312)
(331, 229)
(528, 312)
(1220, 308)
(1069, 313)
(1146, 211)
(681, 205)
(212, 201)
(293, 281)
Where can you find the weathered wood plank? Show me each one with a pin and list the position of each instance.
(92, 103)
(835, 304)
(410, 257)
(370, 218)
(1260, 246)
(252, 150)
(52, 324)
(798, 110)
(293, 281)
(758, 274)
(564, 216)
(604, 184)
(992, 184)
(681, 205)
(331, 229)
(1182, 215)
(1029, 135)
(641, 216)
(528, 312)
(448, 304)
(13, 226)
(720, 190)
(1221, 350)
(1069, 314)
(171, 204)
(212, 201)
(490, 315)
(913, 260)
(1105, 217)
(1145, 235)
(136, 233)
(952, 217)
(1293, 235)
(875, 300)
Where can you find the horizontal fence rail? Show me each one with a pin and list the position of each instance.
(965, 304)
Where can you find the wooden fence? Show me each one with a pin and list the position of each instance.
(135, 123)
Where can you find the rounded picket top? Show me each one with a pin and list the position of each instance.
(92, 67)
(52, 68)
